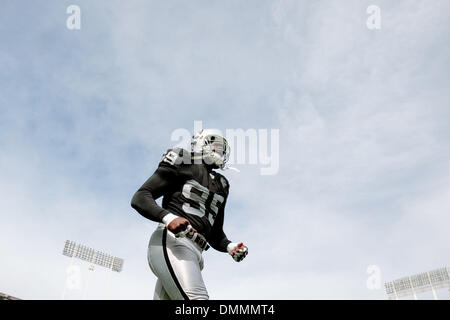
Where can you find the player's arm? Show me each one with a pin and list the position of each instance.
(219, 241)
(144, 200)
(157, 185)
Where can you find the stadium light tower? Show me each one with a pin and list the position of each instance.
(75, 250)
(422, 282)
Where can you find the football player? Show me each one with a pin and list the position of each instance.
(190, 218)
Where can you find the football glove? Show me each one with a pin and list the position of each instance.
(189, 232)
(180, 228)
(237, 250)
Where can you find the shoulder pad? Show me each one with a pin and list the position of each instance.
(223, 181)
(176, 156)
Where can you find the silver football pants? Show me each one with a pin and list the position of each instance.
(177, 262)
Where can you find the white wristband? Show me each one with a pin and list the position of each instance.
(231, 246)
(168, 218)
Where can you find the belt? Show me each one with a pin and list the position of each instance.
(199, 240)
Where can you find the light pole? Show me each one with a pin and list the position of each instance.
(422, 282)
(75, 250)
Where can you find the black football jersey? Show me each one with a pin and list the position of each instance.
(189, 190)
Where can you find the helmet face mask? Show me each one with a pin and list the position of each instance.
(211, 147)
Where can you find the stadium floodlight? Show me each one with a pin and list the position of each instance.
(422, 282)
(75, 250)
(4, 296)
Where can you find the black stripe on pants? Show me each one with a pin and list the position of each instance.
(169, 266)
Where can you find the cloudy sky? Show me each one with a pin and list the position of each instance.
(363, 117)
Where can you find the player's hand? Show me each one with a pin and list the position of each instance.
(189, 232)
(180, 227)
(238, 251)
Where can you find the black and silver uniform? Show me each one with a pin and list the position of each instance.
(189, 190)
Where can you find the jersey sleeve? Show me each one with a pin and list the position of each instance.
(218, 240)
(161, 182)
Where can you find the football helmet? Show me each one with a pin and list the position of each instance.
(210, 146)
